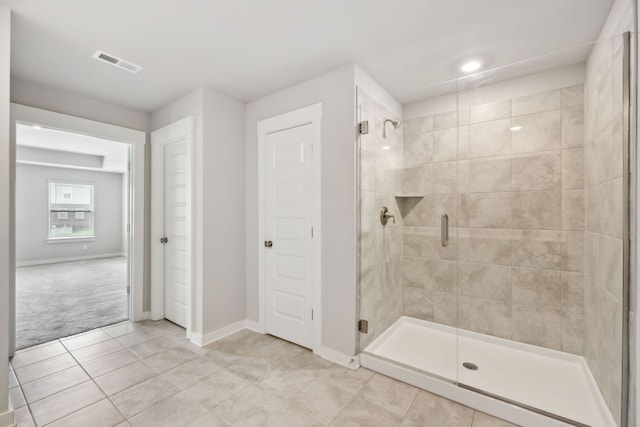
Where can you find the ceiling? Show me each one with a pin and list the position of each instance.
(115, 154)
(249, 48)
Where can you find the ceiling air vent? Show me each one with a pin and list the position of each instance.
(115, 61)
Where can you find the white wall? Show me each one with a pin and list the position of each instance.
(52, 99)
(335, 90)
(224, 210)
(32, 197)
(219, 274)
(6, 417)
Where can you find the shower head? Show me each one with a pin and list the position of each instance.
(394, 123)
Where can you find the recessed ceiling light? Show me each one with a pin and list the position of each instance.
(386, 147)
(516, 128)
(470, 67)
(37, 127)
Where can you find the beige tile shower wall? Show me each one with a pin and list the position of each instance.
(604, 219)
(513, 267)
(380, 247)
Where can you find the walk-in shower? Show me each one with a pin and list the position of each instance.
(502, 282)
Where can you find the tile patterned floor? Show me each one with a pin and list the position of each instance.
(148, 374)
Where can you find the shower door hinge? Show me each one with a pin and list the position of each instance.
(363, 326)
(363, 127)
(311, 314)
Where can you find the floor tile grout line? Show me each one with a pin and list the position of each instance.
(26, 403)
(90, 380)
(411, 405)
(355, 396)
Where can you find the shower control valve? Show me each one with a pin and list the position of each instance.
(385, 215)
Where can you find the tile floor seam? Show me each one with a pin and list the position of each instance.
(59, 391)
(26, 403)
(161, 400)
(132, 385)
(37, 361)
(411, 405)
(94, 383)
(353, 398)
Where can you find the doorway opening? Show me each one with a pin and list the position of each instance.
(72, 205)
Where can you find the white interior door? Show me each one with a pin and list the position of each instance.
(175, 227)
(288, 213)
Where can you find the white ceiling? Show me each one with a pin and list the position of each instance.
(250, 48)
(115, 154)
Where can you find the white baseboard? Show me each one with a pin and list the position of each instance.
(211, 337)
(70, 259)
(342, 359)
(6, 419)
(252, 325)
(339, 358)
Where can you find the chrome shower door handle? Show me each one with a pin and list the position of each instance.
(444, 230)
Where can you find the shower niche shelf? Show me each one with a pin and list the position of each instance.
(409, 196)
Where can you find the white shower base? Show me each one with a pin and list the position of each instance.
(512, 376)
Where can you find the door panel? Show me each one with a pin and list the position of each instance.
(175, 223)
(288, 214)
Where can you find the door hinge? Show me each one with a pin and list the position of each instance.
(128, 289)
(312, 232)
(363, 326)
(363, 127)
(128, 166)
(128, 228)
(311, 314)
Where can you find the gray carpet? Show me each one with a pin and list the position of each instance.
(57, 300)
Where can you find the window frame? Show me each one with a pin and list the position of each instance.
(67, 239)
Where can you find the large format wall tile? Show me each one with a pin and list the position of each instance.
(445, 145)
(489, 112)
(514, 267)
(537, 287)
(492, 210)
(485, 281)
(445, 120)
(419, 125)
(485, 316)
(540, 209)
(537, 248)
(538, 326)
(573, 168)
(573, 133)
(573, 210)
(539, 132)
(573, 96)
(418, 149)
(542, 171)
(490, 139)
(485, 175)
(485, 245)
(445, 177)
(537, 103)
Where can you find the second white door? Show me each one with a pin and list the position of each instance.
(175, 231)
(288, 235)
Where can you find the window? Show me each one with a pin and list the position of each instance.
(70, 210)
